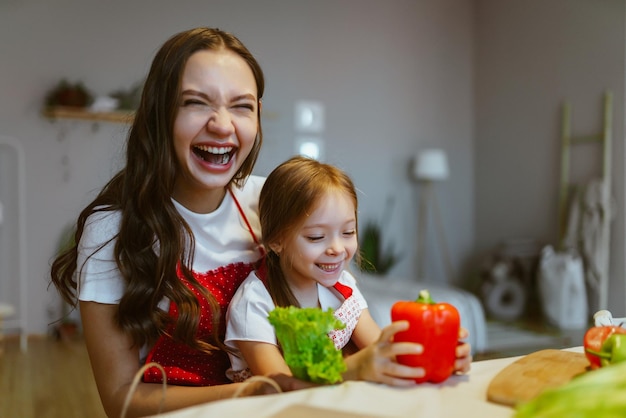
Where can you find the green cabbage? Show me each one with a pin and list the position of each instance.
(308, 350)
(594, 394)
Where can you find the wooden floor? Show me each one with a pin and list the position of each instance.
(51, 379)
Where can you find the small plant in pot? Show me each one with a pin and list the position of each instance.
(69, 95)
(376, 258)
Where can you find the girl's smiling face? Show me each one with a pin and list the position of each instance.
(215, 128)
(322, 247)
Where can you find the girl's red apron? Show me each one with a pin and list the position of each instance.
(184, 365)
(349, 313)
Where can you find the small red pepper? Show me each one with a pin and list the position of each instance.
(593, 341)
(436, 327)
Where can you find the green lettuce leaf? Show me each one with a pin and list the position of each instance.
(593, 394)
(308, 350)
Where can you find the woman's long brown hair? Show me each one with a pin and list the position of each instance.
(290, 193)
(142, 191)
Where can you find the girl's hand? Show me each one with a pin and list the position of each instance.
(377, 361)
(463, 353)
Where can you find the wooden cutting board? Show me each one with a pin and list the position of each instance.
(530, 375)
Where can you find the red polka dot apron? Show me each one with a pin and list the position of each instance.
(184, 365)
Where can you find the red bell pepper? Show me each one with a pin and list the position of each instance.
(593, 343)
(436, 327)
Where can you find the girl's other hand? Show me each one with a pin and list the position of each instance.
(463, 353)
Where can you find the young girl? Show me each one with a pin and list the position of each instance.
(163, 247)
(308, 213)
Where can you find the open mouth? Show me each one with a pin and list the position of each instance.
(214, 155)
(329, 267)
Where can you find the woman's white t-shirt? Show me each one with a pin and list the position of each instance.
(221, 238)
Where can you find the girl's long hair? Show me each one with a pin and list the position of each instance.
(142, 191)
(291, 192)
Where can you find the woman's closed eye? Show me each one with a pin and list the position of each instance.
(193, 102)
(244, 106)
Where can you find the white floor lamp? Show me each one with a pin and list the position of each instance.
(430, 165)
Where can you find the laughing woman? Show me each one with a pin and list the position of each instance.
(167, 242)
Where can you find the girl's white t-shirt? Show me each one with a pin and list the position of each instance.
(246, 318)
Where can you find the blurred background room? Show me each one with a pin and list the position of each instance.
(372, 87)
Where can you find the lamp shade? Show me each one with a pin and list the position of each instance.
(431, 164)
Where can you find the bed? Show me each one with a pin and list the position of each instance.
(381, 293)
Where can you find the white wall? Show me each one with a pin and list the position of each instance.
(531, 57)
(483, 79)
(395, 76)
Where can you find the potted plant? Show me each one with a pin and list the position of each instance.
(68, 94)
(376, 258)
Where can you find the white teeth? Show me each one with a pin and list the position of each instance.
(215, 150)
(225, 159)
(328, 267)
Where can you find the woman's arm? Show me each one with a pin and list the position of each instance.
(115, 362)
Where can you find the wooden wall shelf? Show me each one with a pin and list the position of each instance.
(85, 114)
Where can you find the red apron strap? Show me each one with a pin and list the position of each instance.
(243, 215)
(345, 291)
